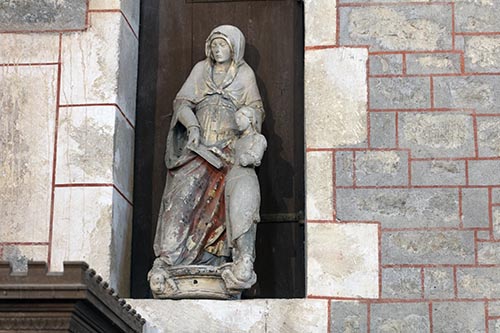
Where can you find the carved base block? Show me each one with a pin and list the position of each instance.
(196, 282)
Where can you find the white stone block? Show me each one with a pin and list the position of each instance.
(319, 186)
(27, 124)
(100, 65)
(82, 228)
(29, 48)
(335, 97)
(342, 260)
(130, 9)
(85, 144)
(255, 316)
(320, 22)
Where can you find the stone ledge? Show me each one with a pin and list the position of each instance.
(259, 315)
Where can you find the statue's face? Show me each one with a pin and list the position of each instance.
(242, 121)
(220, 50)
(157, 283)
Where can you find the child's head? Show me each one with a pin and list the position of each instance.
(245, 118)
(157, 282)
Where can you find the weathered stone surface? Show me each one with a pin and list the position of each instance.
(400, 317)
(123, 156)
(335, 97)
(386, 64)
(342, 259)
(475, 207)
(28, 105)
(120, 245)
(488, 136)
(383, 129)
(496, 221)
(399, 93)
(320, 17)
(478, 282)
(452, 317)
(483, 235)
(438, 172)
(319, 186)
(29, 48)
(480, 172)
(477, 16)
(99, 65)
(438, 283)
(431, 134)
(129, 8)
(400, 208)
(401, 283)
(494, 309)
(255, 316)
(428, 247)
(381, 168)
(42, 15)
(482, 53)
(494, 326)
(495, 195)
(397, 28)
(85, 144)
(488, 252)
(344, 166)
(83, 227)
(348, 317)
(475, 92)
(433, 63)
(19, 255)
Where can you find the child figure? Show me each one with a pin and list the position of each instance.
(242, 198)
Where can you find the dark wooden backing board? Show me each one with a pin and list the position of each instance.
(172, 40)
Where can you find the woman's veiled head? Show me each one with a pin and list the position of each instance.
(233, 36)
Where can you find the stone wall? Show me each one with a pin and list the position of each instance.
(68, 76)
(403, 164)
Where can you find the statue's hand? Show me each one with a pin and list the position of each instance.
(246, 159)
(193, 136)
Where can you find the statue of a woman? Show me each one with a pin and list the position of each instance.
(192, 228)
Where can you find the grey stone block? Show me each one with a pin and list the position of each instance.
(400, 93)
(433, 63)
(386, 64)
(475, 92)
(381, 168)
(494, 326)
(483, 234)
(349, 317)
(438, 172)
(478, 282)
(400, 317)
(496, 221)
(437, 134)
(495, 195)
(397, 28)
(455, 317)
(494, 309)
(401, 283)
(488, 137)
(438, 283)
(400, 208)
(383, 129)
(488, 252)
(428, 247)
(482, 54)
(475, 207)
(484, 172)
(477, 16)
(42, 15)
(344, 165)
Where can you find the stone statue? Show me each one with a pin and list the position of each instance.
(205, 237)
